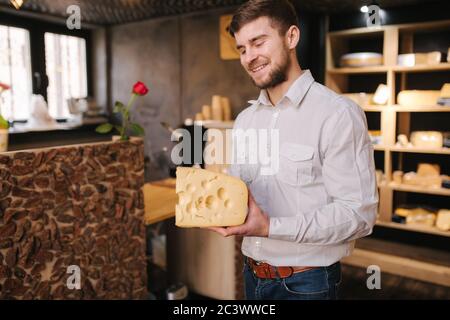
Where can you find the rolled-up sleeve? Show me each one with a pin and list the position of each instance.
(348, 173)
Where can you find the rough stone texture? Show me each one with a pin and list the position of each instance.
(80, 205)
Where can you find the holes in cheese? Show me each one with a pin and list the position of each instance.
(209, 199)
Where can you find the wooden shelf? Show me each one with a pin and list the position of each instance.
(405, 267)
(420, 150)
(160, 199)
(399, 108)
(374, 108)
(423, 68)
(379, 147)
(418, 189)
(359, 70)
(382, 69)
(394, 118)
(437, 108)
(414, 228)
(358, 32)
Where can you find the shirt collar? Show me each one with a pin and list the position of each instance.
(295, 93)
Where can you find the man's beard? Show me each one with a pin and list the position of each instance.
(277, 75)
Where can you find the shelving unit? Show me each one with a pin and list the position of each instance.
(394, 119)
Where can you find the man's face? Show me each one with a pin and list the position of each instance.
(264, 53)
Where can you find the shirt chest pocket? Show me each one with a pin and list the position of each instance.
(296, 164)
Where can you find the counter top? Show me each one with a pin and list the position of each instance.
(160, 199)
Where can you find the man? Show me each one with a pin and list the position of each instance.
(304, 218)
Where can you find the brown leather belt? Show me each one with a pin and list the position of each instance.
(266, 271)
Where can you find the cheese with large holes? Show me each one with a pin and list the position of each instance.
(209, 199)
(418, 97)
(443, 220)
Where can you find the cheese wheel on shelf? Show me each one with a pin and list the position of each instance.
(428, 169)
(209, 199)
(418, 97)
(361, 59)
(427, 139)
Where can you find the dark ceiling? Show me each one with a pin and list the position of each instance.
(107, 12)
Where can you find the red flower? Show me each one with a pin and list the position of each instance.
(4, 87)
(140, 89)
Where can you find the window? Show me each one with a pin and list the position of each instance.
(15, 71)
(65, 59)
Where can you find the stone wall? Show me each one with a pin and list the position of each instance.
(76, 205)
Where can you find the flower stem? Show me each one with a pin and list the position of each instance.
(125, 115)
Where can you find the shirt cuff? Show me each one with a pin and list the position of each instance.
(285, 229)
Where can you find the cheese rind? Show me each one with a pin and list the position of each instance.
(209, 199)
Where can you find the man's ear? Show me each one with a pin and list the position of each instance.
(293, 37)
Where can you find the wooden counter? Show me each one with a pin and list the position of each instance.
(160, 200)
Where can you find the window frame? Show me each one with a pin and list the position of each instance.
(37, 29)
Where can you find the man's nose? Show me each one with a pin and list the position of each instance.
(250, 56)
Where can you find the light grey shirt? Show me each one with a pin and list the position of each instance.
(324, 194)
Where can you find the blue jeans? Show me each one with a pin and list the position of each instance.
(321, 283)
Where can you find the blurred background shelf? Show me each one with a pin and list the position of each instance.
(419, 189)
(415, 228)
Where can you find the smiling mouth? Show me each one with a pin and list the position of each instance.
(259, 68)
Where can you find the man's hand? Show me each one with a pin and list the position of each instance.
(256, 223)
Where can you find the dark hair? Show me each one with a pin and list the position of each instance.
(281, 13)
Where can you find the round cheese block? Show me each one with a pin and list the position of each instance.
(361, 59)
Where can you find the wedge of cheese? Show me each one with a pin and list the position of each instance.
(209, 199)
(443, 220)
(445, 91)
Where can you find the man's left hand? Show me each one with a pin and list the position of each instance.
(256, 223)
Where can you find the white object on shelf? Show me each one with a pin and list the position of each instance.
(361, 59)
(40, 117)
(381, 95)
